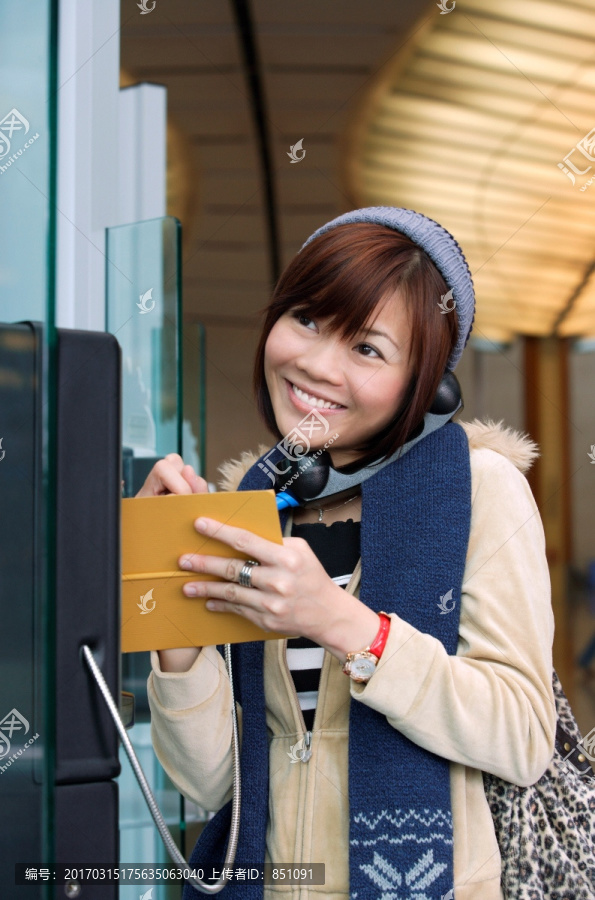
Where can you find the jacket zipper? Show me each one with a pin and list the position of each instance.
(307, 735)
(304, 755)
(304, 818)
(307, 753)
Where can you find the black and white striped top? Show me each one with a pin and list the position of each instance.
(337, 546)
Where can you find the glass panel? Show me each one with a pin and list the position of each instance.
(28, 64)
(140, 841)
(194, 434)
(26, 118)
(144, 313)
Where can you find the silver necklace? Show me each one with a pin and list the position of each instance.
(321, 510)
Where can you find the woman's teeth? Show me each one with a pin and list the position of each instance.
(315, 401)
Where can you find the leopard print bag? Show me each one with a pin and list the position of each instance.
(546, 832)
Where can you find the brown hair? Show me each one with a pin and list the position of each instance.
(342, 275)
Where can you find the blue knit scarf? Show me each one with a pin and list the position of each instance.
(415, 524)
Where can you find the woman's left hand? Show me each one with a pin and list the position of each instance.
(291, 593)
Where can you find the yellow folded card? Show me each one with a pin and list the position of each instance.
(156, 531)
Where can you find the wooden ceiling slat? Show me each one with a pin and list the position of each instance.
(460, 72)
(571, 19)
(207, 91)
(219, 154)
(250, 266)
(507, 173)
(181, 13)
(158, 57)
(236, 187)
(214, 121)
(501, 57)
(402, 147)
(474, 97)
(416, 123)
(457, 116)
(382, 15)
(304, 88)
(325, 189)
(303, 51)
(521, 32)
(484, 151)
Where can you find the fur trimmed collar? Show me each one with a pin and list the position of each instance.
(516, 446)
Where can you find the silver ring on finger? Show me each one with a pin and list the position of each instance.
(245, 576)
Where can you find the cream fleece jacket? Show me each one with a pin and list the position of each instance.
(489, 708)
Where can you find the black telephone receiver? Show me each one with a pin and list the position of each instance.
(313, 479)
(448, 396)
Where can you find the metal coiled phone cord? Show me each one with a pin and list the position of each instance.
(164, 831)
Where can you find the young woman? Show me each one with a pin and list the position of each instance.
(418, 595)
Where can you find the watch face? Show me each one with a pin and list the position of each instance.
(363, 667)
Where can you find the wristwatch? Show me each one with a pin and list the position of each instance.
(361, 664)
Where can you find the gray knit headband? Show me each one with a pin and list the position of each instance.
(440, 246)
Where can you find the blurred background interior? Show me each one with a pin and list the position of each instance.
(174, 155)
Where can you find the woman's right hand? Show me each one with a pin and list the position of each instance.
(170, 476)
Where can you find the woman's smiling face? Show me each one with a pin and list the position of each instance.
(356, 385)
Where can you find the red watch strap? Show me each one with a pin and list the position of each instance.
(379, 642)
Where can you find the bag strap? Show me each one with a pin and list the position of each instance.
(570, 750)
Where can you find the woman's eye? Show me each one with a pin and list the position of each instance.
(303, 319)
(366, 347)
